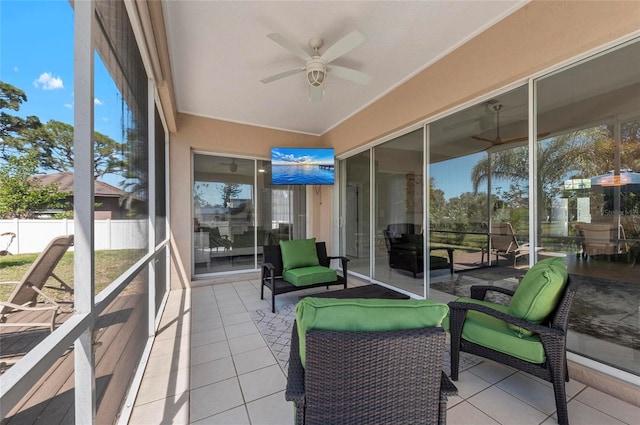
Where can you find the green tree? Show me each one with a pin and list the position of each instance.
(20, 195)
(229, 191)
(12, 127)
(53, 143)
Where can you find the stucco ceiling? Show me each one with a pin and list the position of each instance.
(219, 52)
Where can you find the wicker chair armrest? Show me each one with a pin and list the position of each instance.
(479, 292)
(295, 376)
(447, 387)
(533, 327)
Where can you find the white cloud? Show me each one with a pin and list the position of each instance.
(97, 101)
(46, 81)
(105, 119)
(15, 69)
(68, 105)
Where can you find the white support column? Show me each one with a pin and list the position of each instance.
(84, 287)
(533, 176)
(151, 200)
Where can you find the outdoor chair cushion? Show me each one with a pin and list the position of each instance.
(538, 293)
(370, 314)
(496, 334)
(299, 253)
(304, 276)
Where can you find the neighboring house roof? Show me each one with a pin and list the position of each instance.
(64, 181)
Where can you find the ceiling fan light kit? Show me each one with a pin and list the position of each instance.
(316, 66)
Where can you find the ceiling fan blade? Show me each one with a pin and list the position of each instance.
(523, 138)
(282, 75)
(350, 74)
(342, 46)
(316, 93)
(290, 46)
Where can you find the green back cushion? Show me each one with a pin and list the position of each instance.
(496, 334)
(370, 314)
(304, 276)
(299, 253)
(538, 293)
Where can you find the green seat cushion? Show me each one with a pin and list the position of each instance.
(360, 314)
(538, 293)
(304, 276)
(496, 334)
(299, 253)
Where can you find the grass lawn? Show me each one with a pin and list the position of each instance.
(108, 264)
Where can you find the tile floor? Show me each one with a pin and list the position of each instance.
(210, 365)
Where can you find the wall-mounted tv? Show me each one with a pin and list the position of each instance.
(302, 165)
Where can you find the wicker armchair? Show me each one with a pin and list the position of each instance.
(369, 377)
(552, 334)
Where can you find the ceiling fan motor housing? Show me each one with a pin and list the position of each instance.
(316, 71)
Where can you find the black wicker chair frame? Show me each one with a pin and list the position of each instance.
(369, 378)
(553, 334)
(272, 272)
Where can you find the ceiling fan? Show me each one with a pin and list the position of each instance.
(317, 66)
(497, 107)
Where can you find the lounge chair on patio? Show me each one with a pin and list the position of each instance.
(530, 334)
(24, 296)
(602, 239)
(505, 244)
(6, 239)
(368, 361)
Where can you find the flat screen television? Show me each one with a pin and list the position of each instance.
(302, 165)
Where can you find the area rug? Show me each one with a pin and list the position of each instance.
(605, 309)
(276, 330)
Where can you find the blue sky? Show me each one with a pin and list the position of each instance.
(36, 55)
(287, 156)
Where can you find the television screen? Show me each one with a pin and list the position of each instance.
(302, 165)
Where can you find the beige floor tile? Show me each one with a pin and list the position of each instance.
(505, 408)
(235, 416)
(162, 386)
(206, 325)
(215, 398)
(208, 337)
(469, 384)
(164, 364)
(491, 372)
(605, 403)
(209, 352)
(171, 410)
(246, 343)
(241, 329)
(211, 372)
(530, 391)
(262, 382)
(237, 318)
(466, 414)
(580, 413)
(253, 360)
(271, 410)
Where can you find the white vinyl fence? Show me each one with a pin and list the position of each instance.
(33, 235)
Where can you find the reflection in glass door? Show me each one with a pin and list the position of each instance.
(399, 243)
(356, 212)
(223, 214)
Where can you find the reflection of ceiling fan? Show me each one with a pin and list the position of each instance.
(497, 107)
(233, 165)
(317, 66)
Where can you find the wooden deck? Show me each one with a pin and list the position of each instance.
(120, 336)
